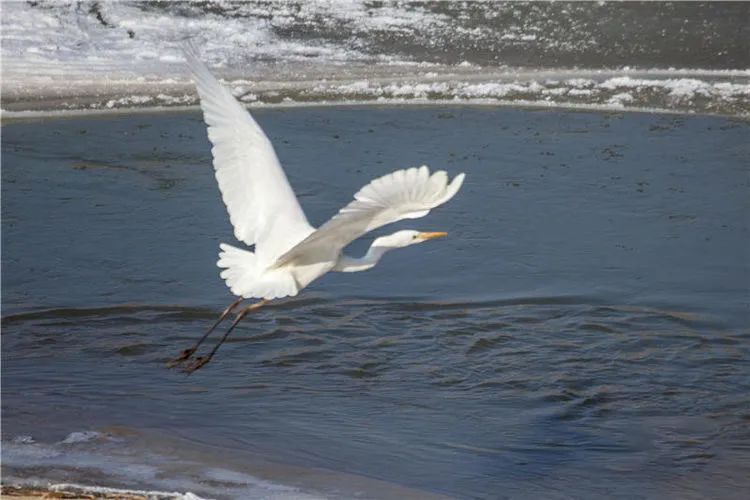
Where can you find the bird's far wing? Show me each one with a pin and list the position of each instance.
(261, 204)
(404, 194)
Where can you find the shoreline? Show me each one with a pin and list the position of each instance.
(723, 93)
(33, 114)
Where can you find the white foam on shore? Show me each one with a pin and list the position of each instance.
(86, 454)
(103, 490)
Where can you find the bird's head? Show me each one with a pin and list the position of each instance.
(405, 238)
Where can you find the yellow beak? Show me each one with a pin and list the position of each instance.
(429, 236)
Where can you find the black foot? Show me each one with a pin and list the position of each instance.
(182, 357)
(196, 364)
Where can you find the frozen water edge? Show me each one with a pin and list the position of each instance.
(724, 93)
(619, 102)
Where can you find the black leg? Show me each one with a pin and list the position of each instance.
(184, 355)
(202, 360)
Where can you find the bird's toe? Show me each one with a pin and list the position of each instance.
(181, 357)
(197, 364)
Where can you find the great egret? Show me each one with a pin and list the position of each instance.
(289, 253)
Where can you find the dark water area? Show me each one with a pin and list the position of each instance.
(582, 332)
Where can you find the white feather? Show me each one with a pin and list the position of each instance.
(246, 278)
(289, 253)
(404, 194)
(261, 204)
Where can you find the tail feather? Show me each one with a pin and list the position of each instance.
(245, 277)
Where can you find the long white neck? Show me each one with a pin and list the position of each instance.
(348, 264)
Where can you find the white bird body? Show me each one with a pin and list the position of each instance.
(289, 253)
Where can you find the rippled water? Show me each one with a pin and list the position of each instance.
(582, 332)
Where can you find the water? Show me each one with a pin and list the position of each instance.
(583, 331)
(681, 56)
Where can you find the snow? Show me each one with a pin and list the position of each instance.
(61, 56)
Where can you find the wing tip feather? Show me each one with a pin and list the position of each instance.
(452, 188)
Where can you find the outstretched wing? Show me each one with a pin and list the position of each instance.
(261, 204)
(404, 194)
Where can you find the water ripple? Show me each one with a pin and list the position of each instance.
(568, 360)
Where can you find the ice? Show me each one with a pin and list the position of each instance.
(679, 88)
(110, 56)
(519, 36)
(620, 99)
(580, 92)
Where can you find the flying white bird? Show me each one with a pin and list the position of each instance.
(289, 253)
